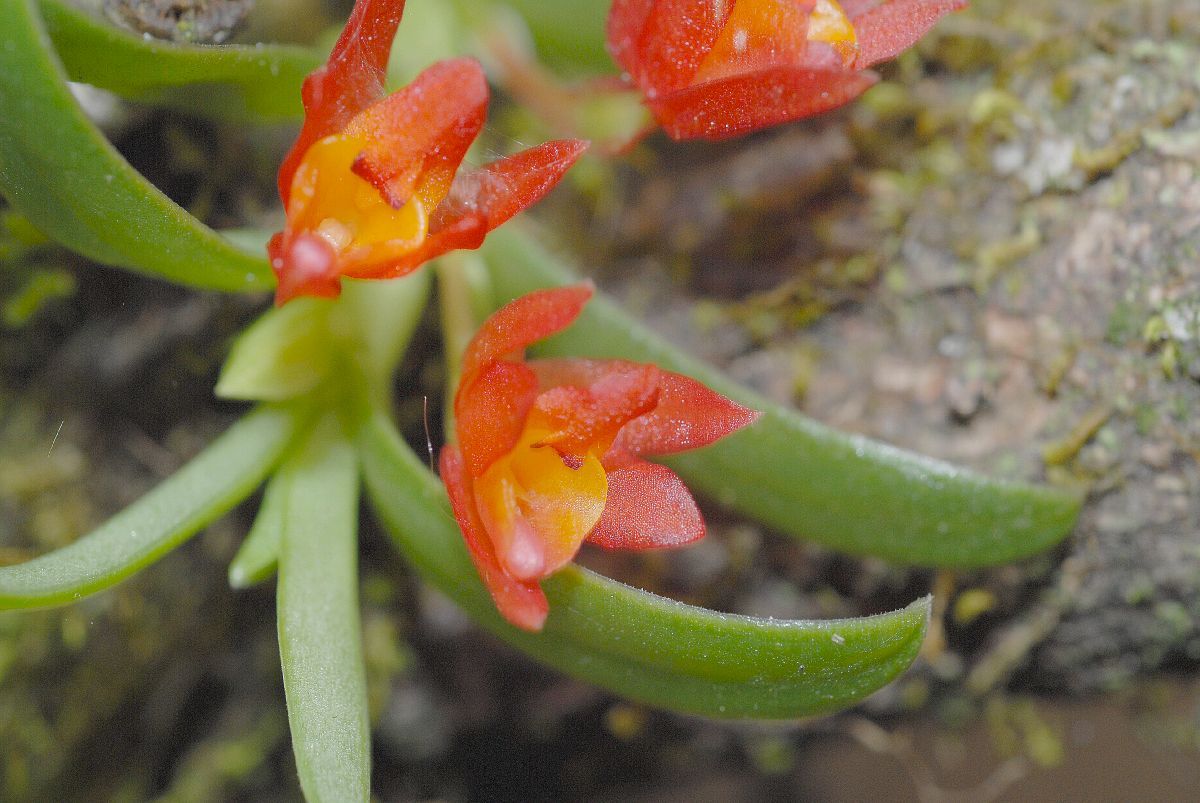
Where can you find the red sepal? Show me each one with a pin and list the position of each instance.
(589, 415)
(479, 201)
(648, 507)
(419, 134)
(522, 604)
(623, 29)
(743, 103)
(688, 416)
(663, 52)
(523, 322)
(499, 190)
(886, 30)
(350, 81)
(490, 410)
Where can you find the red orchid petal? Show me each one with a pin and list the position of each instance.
(499, 190)
(490, 411)
(522, 604)
(688, 416)
(590, 415)
(886, 30)
(348, 82)
(420, 133)
(744, 103)
(648, 507)
(674, 38)
(478, 202)
(579, 371)
(856, 8)
(626, 19)
(522, 322)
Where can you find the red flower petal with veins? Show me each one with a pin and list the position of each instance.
(499, 190)
(673, 41)
(689, 415)
(745, 103)
(490, 413)
(482, 199)
(592, 415)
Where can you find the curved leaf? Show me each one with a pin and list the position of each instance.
(292, 349)
(206, 487)
(250, 82)
(60, 171)
(637, 644)
(320, 636)
(258, 556)
(285, 353)
(799, 476)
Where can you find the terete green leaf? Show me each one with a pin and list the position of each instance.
(320, 635)
(210, 484)
(59, 170)
(799, 476)
(241, 82)
(258, 555)
(637, 644)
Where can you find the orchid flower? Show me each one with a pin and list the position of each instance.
(370, 185)
(549, 452)
(719, 68)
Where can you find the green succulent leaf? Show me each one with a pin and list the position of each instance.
(569, 34)
(320, 641)
(799, 476)
(244, 82)
(284, 354)
(290, 350)
(206, 487)
(637, 644)
(60, 171)
(258, 555)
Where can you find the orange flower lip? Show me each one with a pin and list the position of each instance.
(719, 69)
(549, 452)
(377, 177)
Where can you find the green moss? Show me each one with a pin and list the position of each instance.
(1122, 324)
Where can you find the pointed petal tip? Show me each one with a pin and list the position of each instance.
(524, 321)
(749, 417)
(885, 30)
(571, 148)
